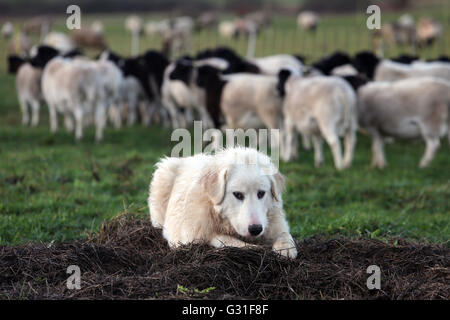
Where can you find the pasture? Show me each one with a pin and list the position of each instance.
(55, 190)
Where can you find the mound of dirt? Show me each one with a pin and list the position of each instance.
(129, 259)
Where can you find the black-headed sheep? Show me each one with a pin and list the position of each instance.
(387, 70)
(28, 86)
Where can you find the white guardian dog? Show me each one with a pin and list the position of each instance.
(232, 198)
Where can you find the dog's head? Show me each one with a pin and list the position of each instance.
(244, 189)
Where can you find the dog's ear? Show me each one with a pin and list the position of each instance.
(277, 185)
(214, 181)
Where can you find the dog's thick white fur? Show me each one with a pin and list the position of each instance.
(232, 198)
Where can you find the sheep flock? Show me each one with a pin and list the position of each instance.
(325, 100)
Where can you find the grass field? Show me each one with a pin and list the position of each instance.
(53, 189)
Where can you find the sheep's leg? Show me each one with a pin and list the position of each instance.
(335, 145)
(294, 145)
(273, 123)
(206, 119)
(78, 115)
(35, 106)
(349, 142)
(378, 158)
(53, 118)
(188, 117)
(306, 143)
(68, 122)
(25, 113)
(181, 118)
(173, 112)
(163, 115)
(100, 122)
(152, 110)
(329, 132)
(290, 145)
(318, 150)
(132, 109)
(432, 145)
(332, 139)
(144, 111)
(292, 142)
(115, 114)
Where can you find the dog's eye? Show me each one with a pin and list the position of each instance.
(261, 194)
(239, 195)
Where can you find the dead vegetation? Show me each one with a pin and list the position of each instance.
(129, 259)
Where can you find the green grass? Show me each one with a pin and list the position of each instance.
(53, 189)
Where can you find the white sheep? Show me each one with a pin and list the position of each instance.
(7, 30)
(28, 86)
(80, 89)
(308, 20)
(428, 30)
(227, 29)
(386, 70)
(60, 41)
(410, 108)
(251, 101)
(344, 70)
(177, 37)
(180, 90)
(97, 27)
(319, 107)
(391, 71)
(20, 44)
(272, 65)
(111, 88)
(133, 24)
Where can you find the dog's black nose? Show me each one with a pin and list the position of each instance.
(255, 229)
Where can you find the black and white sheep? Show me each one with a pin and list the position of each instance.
(387, 70)
(28, 86)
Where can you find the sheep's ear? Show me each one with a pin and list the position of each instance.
(14, 63)
(277, 185)
(214, 181)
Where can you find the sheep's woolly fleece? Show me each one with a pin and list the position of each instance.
(129, 259)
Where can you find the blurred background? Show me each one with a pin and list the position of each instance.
(310, 28)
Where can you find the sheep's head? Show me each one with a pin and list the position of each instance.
(405, 59)
(14, 63)
(43, 55)
(328, 63)
(182, 71)
(207, 75)
(283, 76)
(366, 62)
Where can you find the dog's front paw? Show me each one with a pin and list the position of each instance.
(286, 247)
